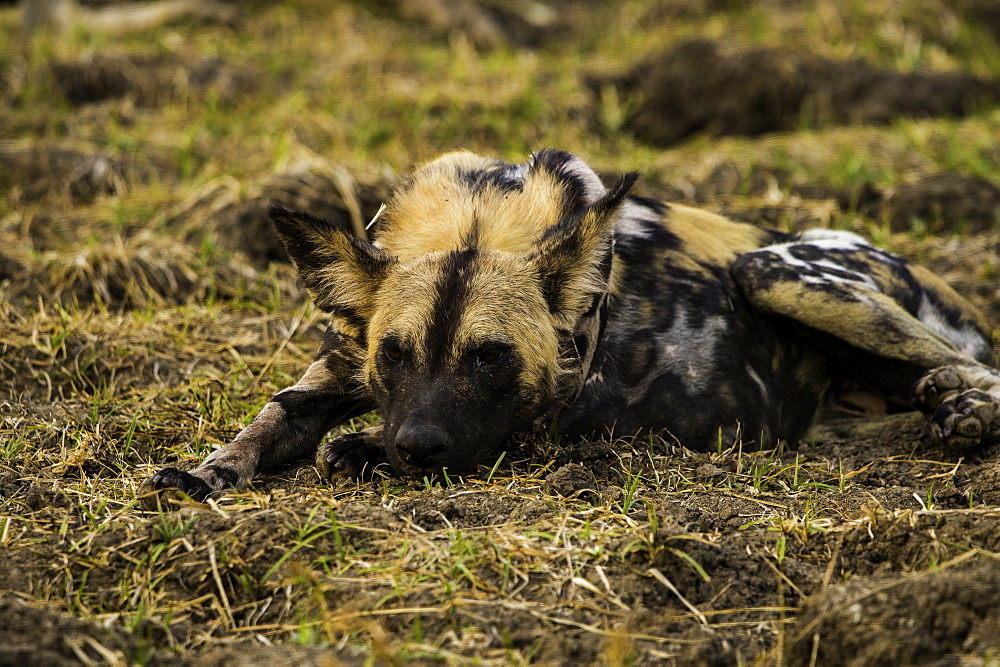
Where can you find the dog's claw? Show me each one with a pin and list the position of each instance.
(171, 481)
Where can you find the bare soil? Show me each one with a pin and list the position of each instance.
(885, 551)
(147, 311)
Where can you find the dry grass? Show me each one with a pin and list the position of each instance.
(146, 313)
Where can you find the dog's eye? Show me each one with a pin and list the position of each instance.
(392, 351)
(491, 355)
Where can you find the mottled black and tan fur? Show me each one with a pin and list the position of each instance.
(499, 297)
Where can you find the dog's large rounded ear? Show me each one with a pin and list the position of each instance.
(341, 271)
(573, 258)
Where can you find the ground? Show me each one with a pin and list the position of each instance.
(147, 311)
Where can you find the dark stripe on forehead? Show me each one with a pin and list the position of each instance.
(470, 238)
(503, 176)
(450, 296)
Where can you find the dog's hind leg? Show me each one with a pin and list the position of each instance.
(288, 427)
(890, 324)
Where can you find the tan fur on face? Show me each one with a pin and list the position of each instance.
(504, 302)
(535, 240)
(437, 211)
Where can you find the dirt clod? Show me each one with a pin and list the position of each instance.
(149, 80)
(571, 480)
(33, 173)
(36, 635)
(945, 203)
(908, 619)
(699, 87)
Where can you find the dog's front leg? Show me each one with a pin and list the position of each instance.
(289, 427)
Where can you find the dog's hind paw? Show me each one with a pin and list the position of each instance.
(940, 385)
(967, 420)
(352, 455)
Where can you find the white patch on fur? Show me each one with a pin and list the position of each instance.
(967, 341)
(698, 354)
(760, 384)
(516, 172)
(831, 238)
(634, 220)
(684, 351)
(825, 239)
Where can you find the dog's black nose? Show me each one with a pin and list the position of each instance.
(421, 445)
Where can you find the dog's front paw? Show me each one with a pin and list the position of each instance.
(352, 455)
(171, 481)
(967, 420)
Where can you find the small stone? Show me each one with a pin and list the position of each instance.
(710, 471)
(572, 479)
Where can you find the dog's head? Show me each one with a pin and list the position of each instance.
(479, 303)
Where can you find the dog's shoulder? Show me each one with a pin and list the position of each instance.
(673, 237)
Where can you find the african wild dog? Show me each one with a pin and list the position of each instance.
(498, 297)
